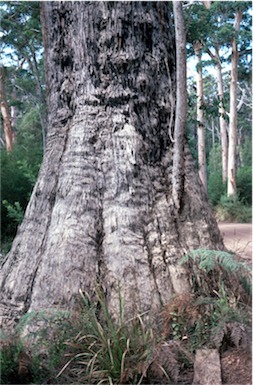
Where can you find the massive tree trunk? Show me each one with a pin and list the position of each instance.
(101, 211)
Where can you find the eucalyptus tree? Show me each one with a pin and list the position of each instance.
(6, 115)
(214, 28)
(22, 54)
(197, 46)
(102, 211)
(181, 105)
(196, 17)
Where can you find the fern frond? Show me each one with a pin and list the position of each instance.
(235, 333)
(217, 334)
(239, 334)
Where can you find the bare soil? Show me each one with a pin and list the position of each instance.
(236, 367)
(236, 363)
(238, 238)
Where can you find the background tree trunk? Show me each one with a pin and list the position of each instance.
(101, 213)
(223, 125)
(200, 117)
(233, 111)
(222, 112)
(5, 114)
(181, 105)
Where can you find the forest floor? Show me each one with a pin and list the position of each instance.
(236, 363)
(238, 238)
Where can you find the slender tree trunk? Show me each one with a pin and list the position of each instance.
(101, 212)
(181, 103)
(200, 117)
(207, 4)
(40, 97)
(240, 148)
(223, 123)
(222, 113)
(231, 191)
(5, 114)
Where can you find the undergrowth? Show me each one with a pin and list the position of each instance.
(91, 348)
(116, 353)
(233, 209)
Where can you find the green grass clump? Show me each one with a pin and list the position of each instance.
(232, 209)
(89, 346)
(105, 351)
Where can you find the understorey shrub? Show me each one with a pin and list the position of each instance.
(217, 313)
(232, 209)
(117, 353)
(87, 346)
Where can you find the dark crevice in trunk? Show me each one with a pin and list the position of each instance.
(151, 265)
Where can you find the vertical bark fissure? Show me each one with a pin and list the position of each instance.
(53, 192)
(41, 250)
(102, 210)
(100, 235)
(151, 266)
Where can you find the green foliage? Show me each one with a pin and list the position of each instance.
(197, 321)
(216, 187)
(19, 171)
(41, 352)
(22, 52)
(211, 269)
(244, 184)
(89, 347)
(48, 344)
(9, 361)
(108, 352)
(217, 313)
(231, 209)
(247, 152)
(14, 211)
(17, 179)
(21, 26)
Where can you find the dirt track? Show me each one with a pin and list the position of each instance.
(238, 238)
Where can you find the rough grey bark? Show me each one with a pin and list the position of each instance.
(101, 210)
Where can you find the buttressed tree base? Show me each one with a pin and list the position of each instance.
(102, 212)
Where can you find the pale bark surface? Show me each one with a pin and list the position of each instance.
(101, 210)
(5, 111)
(231, 191)
(223, 125)
(222, 112)
(181, 103)
(200, 117)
